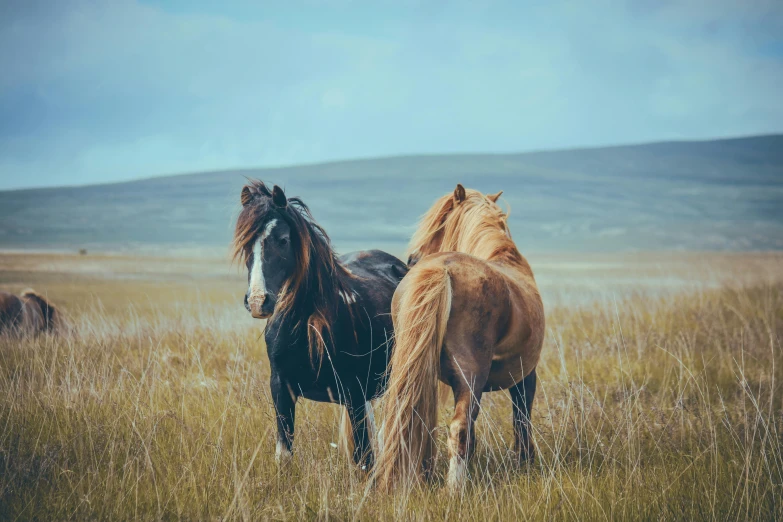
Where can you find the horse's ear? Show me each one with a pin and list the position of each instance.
(246, 196)
(459, 194)
(278, 197)
(494, 197)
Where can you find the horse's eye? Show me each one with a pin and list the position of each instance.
(283, 241)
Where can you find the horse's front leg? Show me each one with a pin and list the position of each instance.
(284, 399)
(362, 447)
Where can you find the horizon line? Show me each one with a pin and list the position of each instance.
(357, 159)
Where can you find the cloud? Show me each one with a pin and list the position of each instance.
(111, 90)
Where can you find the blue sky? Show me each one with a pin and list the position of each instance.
(111, 90)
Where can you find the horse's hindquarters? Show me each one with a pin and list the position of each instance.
(496, 325)
(517, 354)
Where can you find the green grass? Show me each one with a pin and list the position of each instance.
(156, 405)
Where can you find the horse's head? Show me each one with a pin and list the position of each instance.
(266, 241)
(49, 313)
(292, 268)
(455, 223)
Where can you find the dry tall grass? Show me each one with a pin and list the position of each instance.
(156, 406)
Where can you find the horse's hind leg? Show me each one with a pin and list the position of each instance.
(522, 395)
(362, 452)
(462, 434)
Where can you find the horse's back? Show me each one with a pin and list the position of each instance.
(496, 319)
(376, 276)
(10, 311)
(375, 264)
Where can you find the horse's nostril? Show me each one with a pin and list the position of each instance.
(257, 306)
(256, 301)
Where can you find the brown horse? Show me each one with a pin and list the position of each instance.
(29, 313)
(468, 313)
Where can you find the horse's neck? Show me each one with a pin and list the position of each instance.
(288, 330)
(513, 261)
(497, 248)
(295, 323)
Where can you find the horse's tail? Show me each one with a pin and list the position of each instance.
(346, 434)
(411, 405)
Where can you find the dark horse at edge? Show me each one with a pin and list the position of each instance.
(329, 329)
(30, 313)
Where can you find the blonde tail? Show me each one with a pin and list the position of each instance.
(411, 405)
(346, 435)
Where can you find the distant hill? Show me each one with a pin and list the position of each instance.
(714, 195)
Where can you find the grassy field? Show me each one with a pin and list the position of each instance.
(659, 398)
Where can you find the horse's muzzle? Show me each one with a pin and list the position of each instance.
(260, 306)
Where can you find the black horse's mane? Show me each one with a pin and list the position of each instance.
(311, 298)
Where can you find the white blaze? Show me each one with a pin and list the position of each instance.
(257, 285)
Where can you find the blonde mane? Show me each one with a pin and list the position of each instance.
(475, 226)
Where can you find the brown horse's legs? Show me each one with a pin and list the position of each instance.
(462, 434)
(522, 396)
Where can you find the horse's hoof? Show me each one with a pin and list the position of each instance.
(526, 459)
(458, 474)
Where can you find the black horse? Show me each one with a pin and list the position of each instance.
(329, 330)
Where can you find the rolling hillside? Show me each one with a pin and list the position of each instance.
(712, 195)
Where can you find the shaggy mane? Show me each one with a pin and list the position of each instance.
(474, 226)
